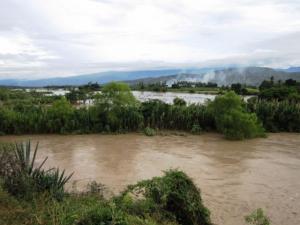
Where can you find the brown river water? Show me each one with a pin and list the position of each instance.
(235, 177)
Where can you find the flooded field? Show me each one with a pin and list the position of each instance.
(168, 97)
(235, 177)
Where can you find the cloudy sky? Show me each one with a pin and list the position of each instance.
(43, 38)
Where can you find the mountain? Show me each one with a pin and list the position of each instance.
(84, 79)
(101, 78)
(292, 70)
(222, 76)
(249, 75)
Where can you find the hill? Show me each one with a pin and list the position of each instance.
(222, 76)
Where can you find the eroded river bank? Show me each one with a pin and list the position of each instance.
(235, 177)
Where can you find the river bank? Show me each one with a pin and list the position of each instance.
(235, 177)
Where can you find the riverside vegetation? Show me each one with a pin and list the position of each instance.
(116, 110)
(31, 195)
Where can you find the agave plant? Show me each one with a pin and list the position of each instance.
(37, 178)
(23, 156)
(52, 180)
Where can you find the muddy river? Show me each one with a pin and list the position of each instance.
(235, 177)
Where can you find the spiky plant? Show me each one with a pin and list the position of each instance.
(26, 178)
(23, 155)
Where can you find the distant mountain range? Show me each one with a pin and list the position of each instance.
(103, 77)
(291, 70)
(222, 76)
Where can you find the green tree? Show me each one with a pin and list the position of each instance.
(118, 94)
(60, 116)
(179, 101)
(232, 119)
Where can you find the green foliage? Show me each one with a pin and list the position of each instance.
(277, 115)
(179, 101)
(148, 131)
(116, 110)
(239, 89)
(233, 120)
(164, 116)
(196, 129)
(279, 93)
(257, 218)
(106, 215)
(20, 176)
(289, 90)
(117, 94)
(174, 195)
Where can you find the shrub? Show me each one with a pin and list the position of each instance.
(174, 195)
(257, 218)
(179, 101)
(233, 120)
(149, 131)
(196, 129)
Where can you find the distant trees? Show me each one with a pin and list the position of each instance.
(277, 115)
(189, 84)
(239, 89)
(179, 101)
(289, 90)
(117, 110)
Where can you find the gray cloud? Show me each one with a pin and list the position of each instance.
(67, 37)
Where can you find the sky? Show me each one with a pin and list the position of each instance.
(53, 38)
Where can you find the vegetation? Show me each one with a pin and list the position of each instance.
(277, 116)
(179, 101)
(20, 177)
(116, 110)
(257, 218)
(32, 195)
(149, 131)
(289, 90)
(174, 195)
(233, 120)
(181, 86)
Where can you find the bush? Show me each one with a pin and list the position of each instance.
(105, 215)
(175, 196)
(196, 129)
(149, 131)
(257, 218)
(233, 120)
(179, 101)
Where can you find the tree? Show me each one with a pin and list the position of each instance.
(60, 116)
(232, 119)
(117, 94)
(237, 88)
(265, 85)
(290, 82)
(179, 101)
